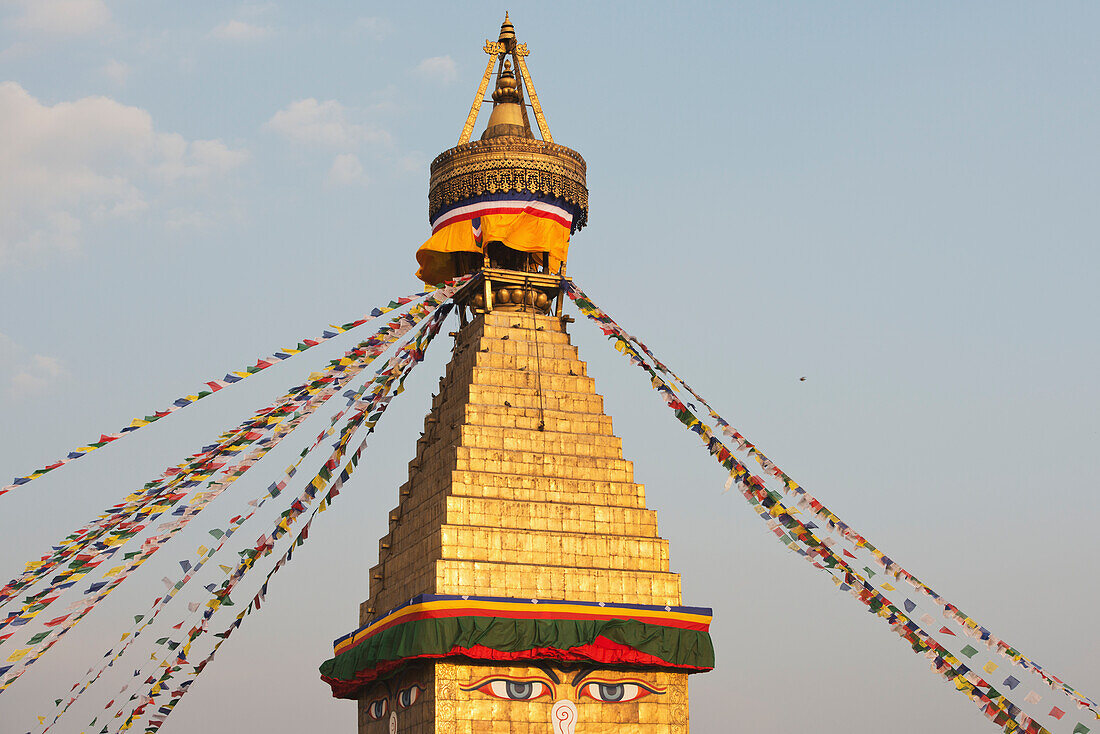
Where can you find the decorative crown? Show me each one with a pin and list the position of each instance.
(508, 157)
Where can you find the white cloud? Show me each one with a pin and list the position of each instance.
(438, 69)
(116, 72)
(198, 159)
(373, 27)
(327, 123)
(346, 170)
(37, 375)
(77, 163)
(61, 17)
(27, 375)
(181, 218)
(239, 30)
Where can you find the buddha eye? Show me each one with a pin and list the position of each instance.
(407, 696)
(377, 709)
(615, 692)
(513, 690)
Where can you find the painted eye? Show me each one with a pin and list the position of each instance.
(515, 690)
(408, 696)
(377, 709)
(615, 692)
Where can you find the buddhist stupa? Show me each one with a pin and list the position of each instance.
(522, 586)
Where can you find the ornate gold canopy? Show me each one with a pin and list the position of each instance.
(508, 157)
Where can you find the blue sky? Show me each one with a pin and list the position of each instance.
(897, 202)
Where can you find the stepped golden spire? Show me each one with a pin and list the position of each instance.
(522, 586)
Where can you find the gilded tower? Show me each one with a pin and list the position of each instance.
(522, 586)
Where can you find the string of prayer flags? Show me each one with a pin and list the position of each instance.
(214, 386)
(368, 412)
(833, 523)
(191, 569)
(96, 592)
(87, 546)
(806, 500)
(151, 545)
(798, 536)
(407, 321)
(116, 520)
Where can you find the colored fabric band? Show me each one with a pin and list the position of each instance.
(521, 221)
(504, 630)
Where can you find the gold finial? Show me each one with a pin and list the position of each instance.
(508, 116)
(506, 90)
(523, 87)
(507, 33)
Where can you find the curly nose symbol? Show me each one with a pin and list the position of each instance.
(564, 717)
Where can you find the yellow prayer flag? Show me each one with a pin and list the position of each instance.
(114, 571)
(990, 667)
(18, 655)
(888, 587)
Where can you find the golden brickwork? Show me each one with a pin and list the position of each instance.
(519, 489)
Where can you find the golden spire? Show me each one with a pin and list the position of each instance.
(498, 50)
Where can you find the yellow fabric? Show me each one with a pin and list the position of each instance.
(522, 231)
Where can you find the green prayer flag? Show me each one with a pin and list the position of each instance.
(1080, 729)
(37, 638)
(138, 618)
(969, 651)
